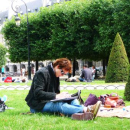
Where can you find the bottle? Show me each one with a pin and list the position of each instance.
(124, 109)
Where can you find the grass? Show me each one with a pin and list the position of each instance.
(12, 119)
(62, 82)
(95, 82)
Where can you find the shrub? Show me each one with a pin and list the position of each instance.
(127, 89)
(118, 64)
(3, 51)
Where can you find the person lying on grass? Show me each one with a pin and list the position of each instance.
(46, 86)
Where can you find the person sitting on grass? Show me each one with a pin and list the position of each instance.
(86, 75)
(46, 86)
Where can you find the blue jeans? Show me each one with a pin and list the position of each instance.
(82, 79)
(93, 77)
(62, 107)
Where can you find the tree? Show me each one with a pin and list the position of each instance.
(122, 17)
(3, 52)
(104, 31)
(76, 29)
(118, 64)
(127, 89)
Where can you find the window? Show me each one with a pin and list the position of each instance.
(36, 10)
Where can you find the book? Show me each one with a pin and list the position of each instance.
(73, 96)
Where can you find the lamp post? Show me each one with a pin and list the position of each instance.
(17, 10)
(8, 64)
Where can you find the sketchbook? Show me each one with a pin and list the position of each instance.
(73, 96)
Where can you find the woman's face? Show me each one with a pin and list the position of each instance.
(60, 72)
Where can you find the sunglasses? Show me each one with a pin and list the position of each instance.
(62, 72)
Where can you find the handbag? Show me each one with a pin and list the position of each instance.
(91, 100)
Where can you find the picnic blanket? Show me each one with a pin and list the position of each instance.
(121, 112)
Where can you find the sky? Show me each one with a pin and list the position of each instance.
(7, 5)
(4, 4)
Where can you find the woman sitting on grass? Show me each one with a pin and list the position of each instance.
(46, 86)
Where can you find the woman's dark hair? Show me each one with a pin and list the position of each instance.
(93, 66)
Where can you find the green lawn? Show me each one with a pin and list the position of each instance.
(95, 82)
(12, 119)
(62, 82)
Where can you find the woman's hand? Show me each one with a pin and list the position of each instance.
(63, 95)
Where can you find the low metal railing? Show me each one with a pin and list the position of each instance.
(69, 87)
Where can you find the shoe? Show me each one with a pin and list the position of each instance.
(94, 109)
(82, 116)
(76, 94)
(78, 97)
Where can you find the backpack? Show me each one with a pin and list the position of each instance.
(2, 106)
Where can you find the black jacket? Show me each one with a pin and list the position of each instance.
(45, 86)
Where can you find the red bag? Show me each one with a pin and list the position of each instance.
(8, 80)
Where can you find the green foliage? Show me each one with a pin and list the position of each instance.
(104, 27)
(3, 52)
(77, 29)
(118, 64)
(15, 38)
(127, 89)
(121, 22)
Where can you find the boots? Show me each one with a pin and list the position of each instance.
(90, 114)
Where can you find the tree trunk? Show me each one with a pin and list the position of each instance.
(104, 63)
(74, 67)
(69, 74)
(36, 65)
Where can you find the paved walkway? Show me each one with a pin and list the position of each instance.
(69, 87)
